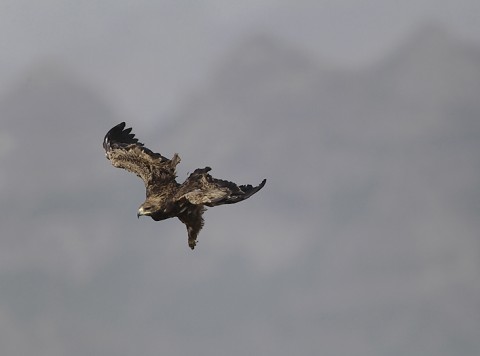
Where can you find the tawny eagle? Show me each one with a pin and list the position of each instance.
(165, 197)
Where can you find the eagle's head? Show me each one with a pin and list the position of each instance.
(145, 209)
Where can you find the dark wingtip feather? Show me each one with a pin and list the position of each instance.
(119, 136)
(239, 193)
(250, 189)
(262, 184)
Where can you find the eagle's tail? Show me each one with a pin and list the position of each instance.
(193, 220)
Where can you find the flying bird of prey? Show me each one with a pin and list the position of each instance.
(165, 197)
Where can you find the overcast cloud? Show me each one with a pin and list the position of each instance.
(363, 117)
(145, 55)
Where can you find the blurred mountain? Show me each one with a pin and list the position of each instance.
(363, 242)
(318, 133)
(374, 172)
(52, 120)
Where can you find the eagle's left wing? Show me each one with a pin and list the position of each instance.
(201, 188)
(124, 151)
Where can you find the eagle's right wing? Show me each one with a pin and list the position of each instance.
(201, 188)
(124, 151)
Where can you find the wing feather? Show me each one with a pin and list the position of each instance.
(124, 150)
(201, 188)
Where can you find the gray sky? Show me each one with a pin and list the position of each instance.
(145, 56)
(364, 240)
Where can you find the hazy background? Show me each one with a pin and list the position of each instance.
(362, 115)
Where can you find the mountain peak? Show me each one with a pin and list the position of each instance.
(432, 34)
(48, 96)
(262, 48)
(431, 43)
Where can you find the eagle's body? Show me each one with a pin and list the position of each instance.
(165, 197)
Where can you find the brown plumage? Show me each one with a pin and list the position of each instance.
(165, 197)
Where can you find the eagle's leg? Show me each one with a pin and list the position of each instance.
(192, 218)
(192, 242)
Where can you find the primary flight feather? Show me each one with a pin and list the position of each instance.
(165, 198)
